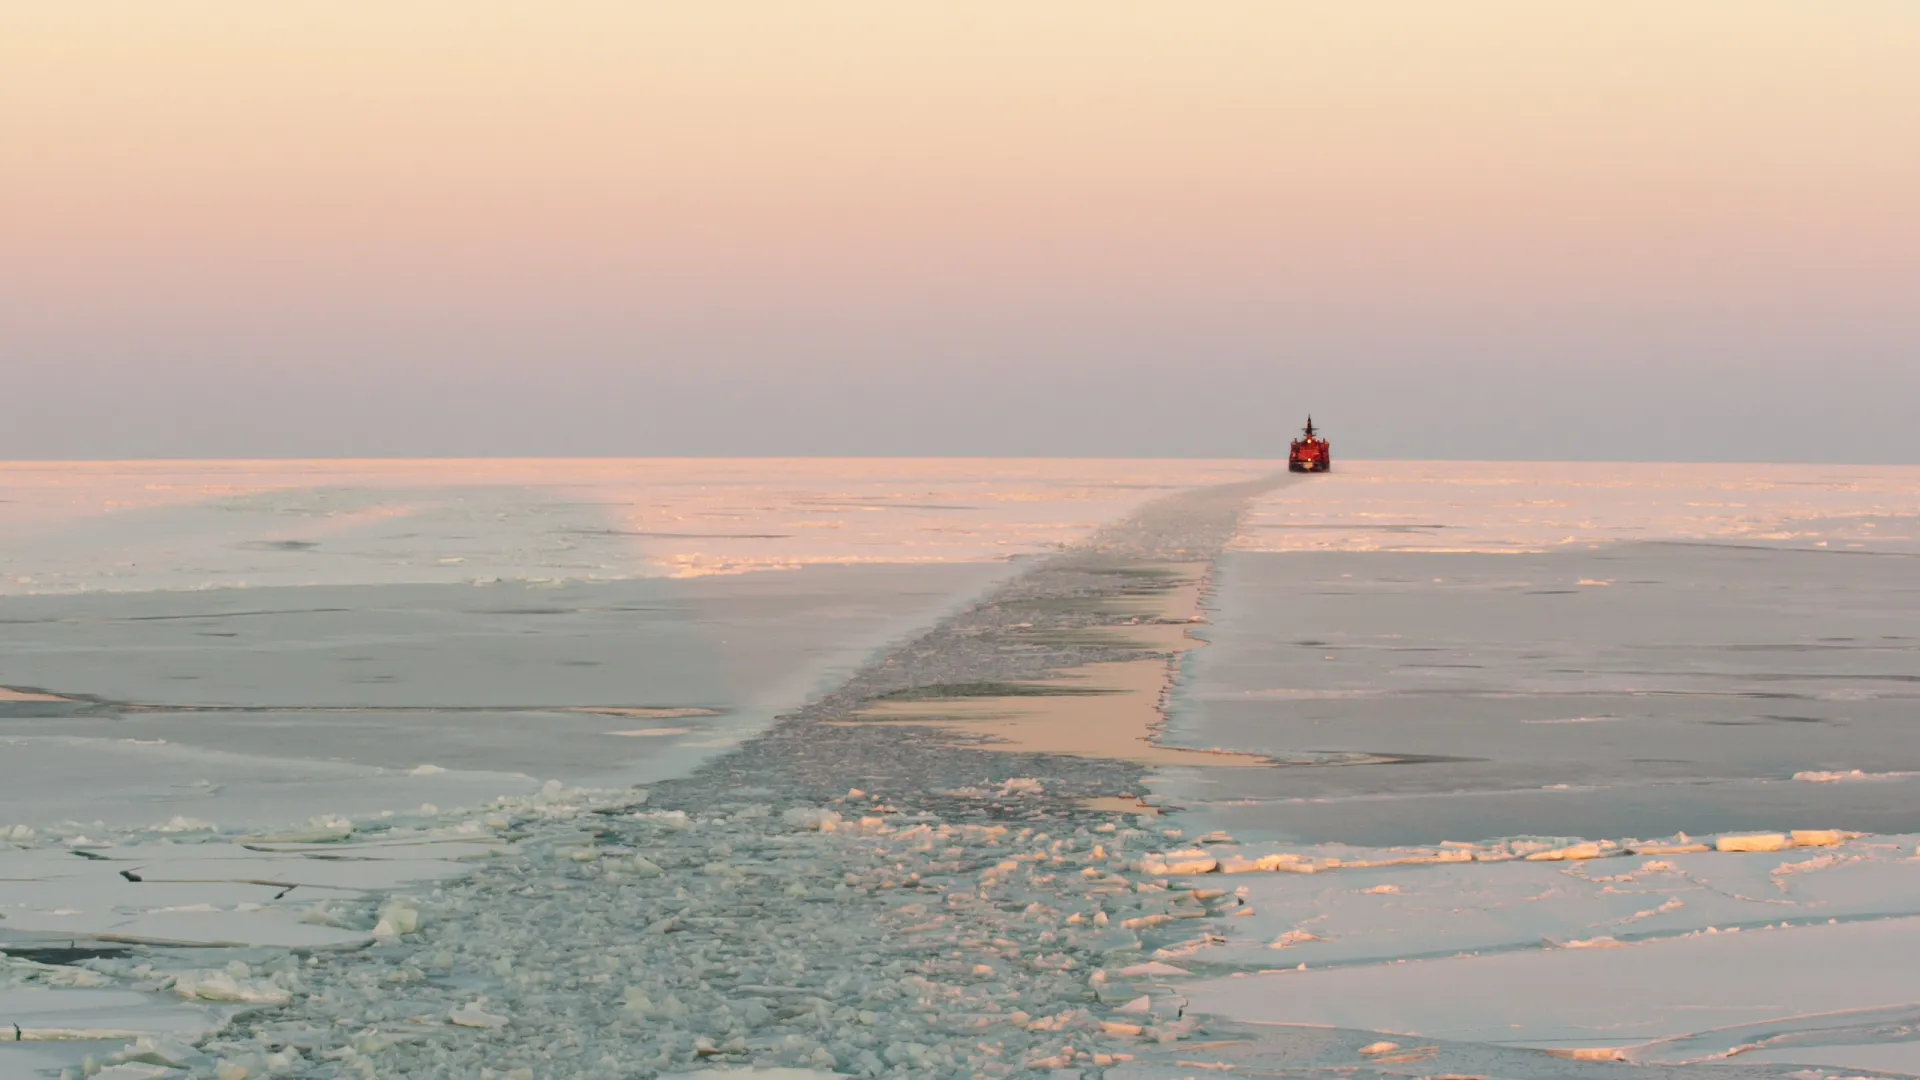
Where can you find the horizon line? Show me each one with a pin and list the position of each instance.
(7, 463)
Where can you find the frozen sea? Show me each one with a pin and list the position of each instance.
(1621, 762)
(1575, 766)
(201, 655)
(254, 643)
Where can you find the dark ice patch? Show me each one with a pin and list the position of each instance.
(228, 614)
(946, 691)
(66, 953)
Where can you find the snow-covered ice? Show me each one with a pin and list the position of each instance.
(1631, 1000)
(1607, 761)
(1422, 697)
(247, 709)
(1577, 762)
(1522, 506)
(153, 525)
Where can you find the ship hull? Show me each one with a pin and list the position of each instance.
(1307, 459)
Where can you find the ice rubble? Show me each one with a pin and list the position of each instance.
(1251, 859)
(1615, 956)
(749, 1071)
(841, 937)
(771, 941)
(596, 934)
(106, 890)
(1849, 775)
(843, 940)
(1371, 905)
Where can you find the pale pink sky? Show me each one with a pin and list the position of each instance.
(356, 228)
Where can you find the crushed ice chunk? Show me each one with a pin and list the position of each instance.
(1588, 1053)
(225, 986)
(1753, 842)
(425, 770)
(669, 819)
(473, 1015)
(811, 817)
(165, 1052)
(1292, 938)
(1820, 837)
(336, 916)
(1848, 775)
(132, 1071)
(1179, 863)
(1152, 967)
(398, 917)
(1572, 852)
(1279, 862)
(753, 1071)
(1679, 846)
(321, 830)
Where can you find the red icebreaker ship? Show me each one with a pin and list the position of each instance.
(1310, 452)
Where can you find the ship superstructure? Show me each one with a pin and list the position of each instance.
(1310, 452)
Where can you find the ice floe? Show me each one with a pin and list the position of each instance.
(1659, 960)
(1459, 507)
(135, 525)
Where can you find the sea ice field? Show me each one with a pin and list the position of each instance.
(1134, 769)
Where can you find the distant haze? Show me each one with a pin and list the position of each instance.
(1482, 229)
